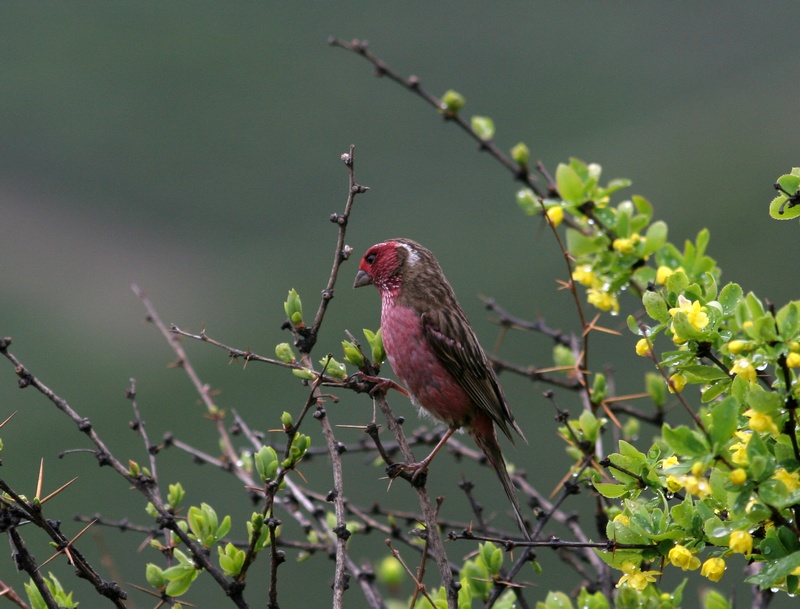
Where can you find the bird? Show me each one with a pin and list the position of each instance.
(436, 355)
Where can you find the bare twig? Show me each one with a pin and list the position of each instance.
(337, 496)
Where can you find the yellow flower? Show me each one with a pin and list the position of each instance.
(745, 369)
(761, 422)
(740, 448)
(622, 518)
(556, 215)
(793, 360)
(670, 462)
(678, 339)
(602, 300)
(676, 383)
(695, 312)
(737, 346)
(643, 347)
(635, 577)
(623, 245)
(741, 542)
(584, 275)
(662, 274)
(698, 468)
(681, 557)
(791, 480)
(696, 486)
(713, 569)
(674, 483)
(738, 476)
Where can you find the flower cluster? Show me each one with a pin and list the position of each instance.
(727, 485)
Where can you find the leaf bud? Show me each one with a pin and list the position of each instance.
(333, 368)
(453, 101)
(294, 308)
(375, 340)
(304, 373)
(521, 154)
(155, 576)
(285, 353)
(483, 127)
(352, 354)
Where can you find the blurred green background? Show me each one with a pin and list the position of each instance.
(194, 148)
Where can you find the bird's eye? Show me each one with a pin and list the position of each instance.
(370, 258)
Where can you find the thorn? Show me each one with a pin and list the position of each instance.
(11, 416)
(57, 491)
(65, 549)
(40, 480)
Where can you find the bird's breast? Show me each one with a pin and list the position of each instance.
(418, 367)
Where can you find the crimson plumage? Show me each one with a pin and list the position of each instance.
(434, 351)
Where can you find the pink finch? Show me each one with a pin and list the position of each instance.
(435, 353)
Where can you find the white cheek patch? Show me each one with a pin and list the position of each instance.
(413, 255)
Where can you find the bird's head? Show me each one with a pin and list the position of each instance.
(389, 264)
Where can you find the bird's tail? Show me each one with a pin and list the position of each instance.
(490, 447)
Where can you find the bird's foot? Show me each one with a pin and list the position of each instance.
(415, 473)
(383, 385)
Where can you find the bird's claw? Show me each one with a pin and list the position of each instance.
(416, 473)
(382, 385)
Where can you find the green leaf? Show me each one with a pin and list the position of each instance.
(701, 242)
(223, 528)
(569, 184)
(179, 585)
(588, 600)
(754, 306)
(655, 237)
(528, 202)
(767, 402)
(773, 492)
(788, 318)
(714, 600)
(782, 209)
(612, 491)
(656, 387)
(729, 297)
(715, 389)
(685, 516)
(774, 572)
(786, 205)
(655, 305)
(155, 576)
(677, 282)
(684, 441)
(724, 421)
(557, 600)
(580, 245)
(643, 206)
(697, 373)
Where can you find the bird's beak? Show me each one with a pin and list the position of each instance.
(362, 279)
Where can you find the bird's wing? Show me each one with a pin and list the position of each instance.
(454, 342)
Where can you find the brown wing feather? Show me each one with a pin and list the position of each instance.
(452, 339)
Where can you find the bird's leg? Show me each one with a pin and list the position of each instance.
(415, 469)
(382, 385)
